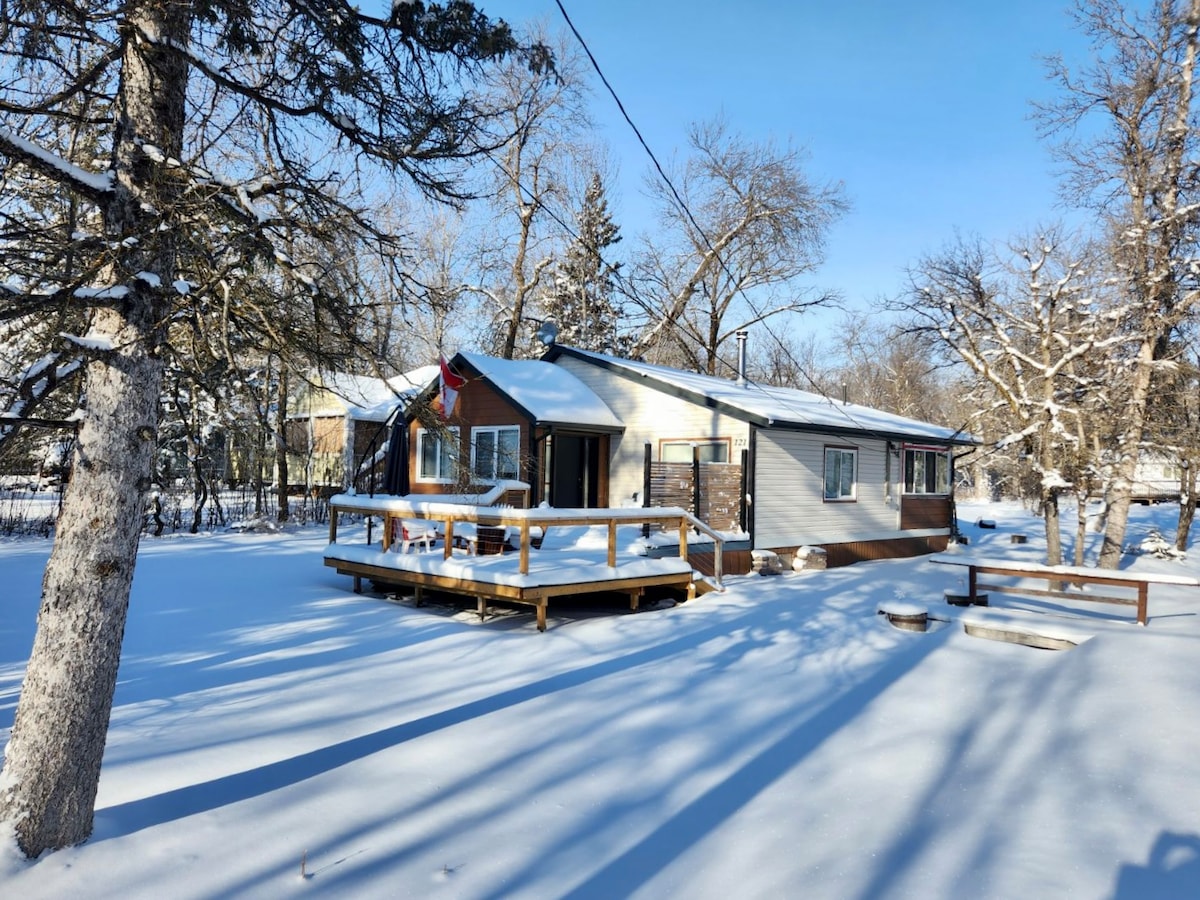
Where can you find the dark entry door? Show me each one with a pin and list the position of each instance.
(575, 480)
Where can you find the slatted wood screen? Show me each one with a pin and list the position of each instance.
(720, 491)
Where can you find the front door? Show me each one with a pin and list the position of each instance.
(575, 471)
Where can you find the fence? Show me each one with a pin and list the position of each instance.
(26, 511)
(712, 492)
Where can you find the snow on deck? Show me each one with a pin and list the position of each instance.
(546, 567)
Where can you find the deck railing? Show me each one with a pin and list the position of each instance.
(393, 510)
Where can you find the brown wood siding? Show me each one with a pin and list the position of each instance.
(733, 562)
(895, 548)
(478, 405)
(918, 512)
(720, 491)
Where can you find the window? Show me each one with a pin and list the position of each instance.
(496, 452)
(681, 451)
(926, 471)
(840, 465)
(436, 452)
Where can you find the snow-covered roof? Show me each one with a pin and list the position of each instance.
(549, 394)
(767, 405)
(402, 389)
(366, 398)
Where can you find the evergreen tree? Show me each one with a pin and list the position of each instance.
(582, 301)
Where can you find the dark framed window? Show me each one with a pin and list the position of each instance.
(926, 471)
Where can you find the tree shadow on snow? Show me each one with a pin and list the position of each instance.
(126, 818)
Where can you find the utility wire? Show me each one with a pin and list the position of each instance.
(686, 210)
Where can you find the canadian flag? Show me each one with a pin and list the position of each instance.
(451, 384)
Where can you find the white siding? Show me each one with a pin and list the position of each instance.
(789, 509)
(650, 415)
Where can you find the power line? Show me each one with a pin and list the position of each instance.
(686, 210)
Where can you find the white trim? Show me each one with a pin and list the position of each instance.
(442, 477)
(496, 431)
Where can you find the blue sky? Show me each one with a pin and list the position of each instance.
(922, 109)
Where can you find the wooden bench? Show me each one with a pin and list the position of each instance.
(1137, 583)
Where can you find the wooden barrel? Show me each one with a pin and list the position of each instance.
(909, 621)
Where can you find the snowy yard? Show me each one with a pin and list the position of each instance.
(779, 740)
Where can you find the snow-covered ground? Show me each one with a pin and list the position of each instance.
(779, 740)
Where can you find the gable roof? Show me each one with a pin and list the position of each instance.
(768, 406)
(547, 394)
(364, 397)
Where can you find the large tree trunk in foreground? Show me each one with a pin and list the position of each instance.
(52, 762)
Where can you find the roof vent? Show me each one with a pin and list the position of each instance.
(742, 334)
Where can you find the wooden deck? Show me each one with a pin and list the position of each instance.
(525, 576)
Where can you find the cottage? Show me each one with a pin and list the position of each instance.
(523, 420)
(786, 468)
(855, 481)
(337, 424)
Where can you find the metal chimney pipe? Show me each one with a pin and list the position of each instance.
(741, 364)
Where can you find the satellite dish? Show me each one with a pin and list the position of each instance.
(547, 333)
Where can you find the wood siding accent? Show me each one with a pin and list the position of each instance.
(733, 562)
(720, 490)
(479, 405)
(788, 493)
(649, 415)
(850, 552)
(918, 512)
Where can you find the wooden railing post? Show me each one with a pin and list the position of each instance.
(745, 485)
(524, 567)
(646, 482)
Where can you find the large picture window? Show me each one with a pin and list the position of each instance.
(841, 465)
(496, 453)
(926, 471)
(436, 452)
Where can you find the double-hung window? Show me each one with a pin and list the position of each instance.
(436, 452)
(495, 452)
(926, 471)
(841, 465)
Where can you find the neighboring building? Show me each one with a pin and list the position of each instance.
(337, 427)
(1156, 480)
(590, 430)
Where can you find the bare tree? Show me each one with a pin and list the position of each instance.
(891, 368)
(530, 196)
(751, 224)
(387, 95)
(1138, 174)
(1025, 336)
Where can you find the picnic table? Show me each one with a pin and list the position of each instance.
(1137, 583)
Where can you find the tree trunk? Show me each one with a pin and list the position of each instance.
(281, 450)
(1081, 518)
(1120, 490)
(1187, 507)
(52, 763)
(1049, 501)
